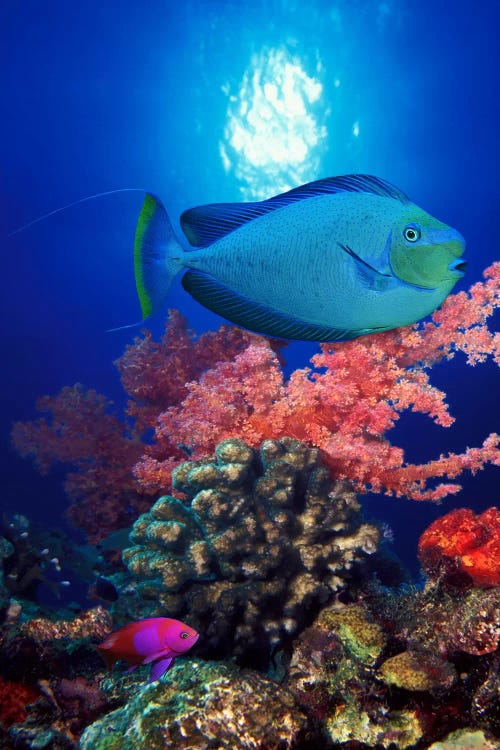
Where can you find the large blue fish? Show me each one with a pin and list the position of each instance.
(328, 261)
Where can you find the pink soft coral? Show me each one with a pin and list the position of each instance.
(344, 405)
(79, 428)
(196, 392)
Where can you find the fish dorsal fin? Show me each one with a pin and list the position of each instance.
(206, 224)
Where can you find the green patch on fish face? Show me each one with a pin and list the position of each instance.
(424, 252)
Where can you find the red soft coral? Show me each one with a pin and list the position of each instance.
(80, 430)
(461, 545)
(14, 697)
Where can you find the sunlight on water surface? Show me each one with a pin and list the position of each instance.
(275, 133)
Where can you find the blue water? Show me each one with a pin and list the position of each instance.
(100, 96)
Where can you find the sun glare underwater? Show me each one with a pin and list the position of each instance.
(186, 494)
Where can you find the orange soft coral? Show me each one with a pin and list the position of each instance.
(463, 546)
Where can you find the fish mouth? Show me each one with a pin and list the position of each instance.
(458, 266)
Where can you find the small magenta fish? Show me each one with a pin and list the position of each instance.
(156, 641)
(327, 261)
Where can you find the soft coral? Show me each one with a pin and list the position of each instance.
(463, 545)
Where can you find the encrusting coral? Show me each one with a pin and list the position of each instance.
(333, 676)
(381, 680)
(261, 542)
(195, 392)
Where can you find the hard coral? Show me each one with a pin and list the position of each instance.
(60, 663)
(443, 620)
(333, 676)
(41, 647)
(463, 547)
(381, 696)
(362, 638)
(93, 623)
(203, 705)
(417, 671)
(261, 542)
(466, 739)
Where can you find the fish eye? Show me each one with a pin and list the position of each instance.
(412, 233)
(184, 635)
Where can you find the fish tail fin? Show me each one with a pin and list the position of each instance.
(157, 255)
(107, 656)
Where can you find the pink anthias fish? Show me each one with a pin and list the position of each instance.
(156, 641)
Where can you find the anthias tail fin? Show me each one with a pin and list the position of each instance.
(157, 255)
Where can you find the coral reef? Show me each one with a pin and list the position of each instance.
(396, 729)
(462, 548)
(51, 689)
(6, 551)
(362, 638)
(448, 622)
(196, 392)
(37, 647)
(93, 623)
(391, 669)
(333, 675)
(261, 542)
(418, 670)
(203, 705)
(370, 678)
(25, 560)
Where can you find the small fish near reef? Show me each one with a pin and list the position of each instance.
(328, 261)
(156, 641)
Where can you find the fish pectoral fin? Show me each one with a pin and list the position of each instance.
(369, 277)
(153, 657)
(160, 667)
(256, 316)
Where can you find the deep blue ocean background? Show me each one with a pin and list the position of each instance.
(105, 95)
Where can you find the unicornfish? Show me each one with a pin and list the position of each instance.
(328, 261)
